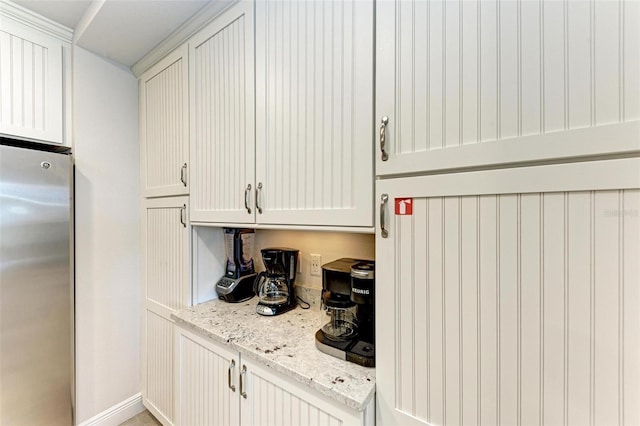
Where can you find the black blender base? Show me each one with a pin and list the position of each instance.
(235, 290)
(356, 351)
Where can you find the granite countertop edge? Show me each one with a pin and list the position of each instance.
(200, 319)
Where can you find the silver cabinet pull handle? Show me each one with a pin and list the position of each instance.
(183, 174)
(232, 387)
(258, 193)
(183, 215)
(242, 373)
(383, 137)
(246, 198)
(383, 204)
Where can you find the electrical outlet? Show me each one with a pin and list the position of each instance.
(316, 268)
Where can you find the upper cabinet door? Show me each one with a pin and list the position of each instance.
(164, 127)
(222, 118)
(476, 84)
(32, 81)
(314, 112)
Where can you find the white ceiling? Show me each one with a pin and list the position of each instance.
(65, 12)
(121, 30)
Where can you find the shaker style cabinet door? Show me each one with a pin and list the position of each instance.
(314, 106)
(510, 296)
(222, 118)
(164, 126)
(32, 104)
(166, 288)
(474, 84)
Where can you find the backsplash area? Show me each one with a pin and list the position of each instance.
(208, 254)
(329, 245)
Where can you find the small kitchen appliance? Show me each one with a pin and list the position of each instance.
(274, 286)
(237, 283)
(348, 291)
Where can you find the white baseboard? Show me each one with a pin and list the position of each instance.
(117, 414)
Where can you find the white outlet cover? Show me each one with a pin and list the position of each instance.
(315, 264)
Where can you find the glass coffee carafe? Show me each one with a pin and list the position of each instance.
(273, 290)
(274, 286)
(343, 324)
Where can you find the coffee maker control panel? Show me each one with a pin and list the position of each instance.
(235, 290)
(265, 310)
(225, 282)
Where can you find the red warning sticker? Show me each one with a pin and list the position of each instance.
(404, 206)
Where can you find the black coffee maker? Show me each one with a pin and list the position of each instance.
(274, 286)
(348, 292)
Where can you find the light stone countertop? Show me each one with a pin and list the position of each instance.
(285, 343)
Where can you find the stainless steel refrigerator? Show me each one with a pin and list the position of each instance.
(36, 291)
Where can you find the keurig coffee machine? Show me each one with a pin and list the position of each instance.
(348, 292)
(237, 283)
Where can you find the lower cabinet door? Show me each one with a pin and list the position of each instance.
(157, 370)
(166, 288)
(214, 386)
(274, 400)
(206, 382)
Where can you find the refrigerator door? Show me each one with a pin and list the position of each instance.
(35, 288)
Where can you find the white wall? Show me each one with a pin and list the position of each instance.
(107, 236)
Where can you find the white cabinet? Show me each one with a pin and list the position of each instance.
(34, 77)
(217, 386)
(164, 126)
(314, 102)
(275, 400)
(477, 84)
(304, 156)
(166, 288)
(511, 296)
(207, 382)
(222, 118)
(510, 283)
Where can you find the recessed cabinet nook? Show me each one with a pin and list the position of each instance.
(505, 140)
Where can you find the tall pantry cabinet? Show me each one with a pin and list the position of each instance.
(165, 230)
(508, 216)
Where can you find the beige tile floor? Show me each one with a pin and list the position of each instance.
(143, 419)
